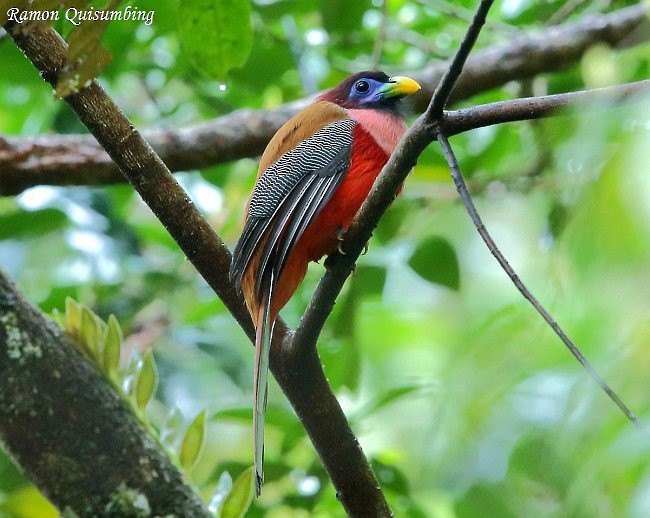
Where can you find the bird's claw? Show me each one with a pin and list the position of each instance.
(340, 234)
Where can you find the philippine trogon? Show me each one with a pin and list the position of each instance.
(313, 176)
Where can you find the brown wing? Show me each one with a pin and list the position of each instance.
(288, 195)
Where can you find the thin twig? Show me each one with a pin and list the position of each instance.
(494, 250)
(529, 108)
(446, 85)
(382, 193)
(564, 12)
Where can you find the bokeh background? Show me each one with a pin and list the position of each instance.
(463, 398)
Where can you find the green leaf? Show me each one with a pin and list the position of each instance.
(169, 433)
(390, 477)
(27, 501)
(86, 55)
(146, 382)
(239, 499)
(435, 260)
(31, 223)
(385, 399)
(216, 35)
(343, 16)
(369, 280)
(557, 219)
(112, 345)
(90, 332)
(193, 441)
(72, 316)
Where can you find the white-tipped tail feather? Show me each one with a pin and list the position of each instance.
(260, 378)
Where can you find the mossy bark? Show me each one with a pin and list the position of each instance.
(73, 436)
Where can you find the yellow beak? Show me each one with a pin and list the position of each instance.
(400, 85)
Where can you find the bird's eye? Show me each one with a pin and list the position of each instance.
(362, 86)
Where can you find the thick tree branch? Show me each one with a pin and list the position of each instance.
(547, 50)
(78, 160)
(96, 463)
(300, 376)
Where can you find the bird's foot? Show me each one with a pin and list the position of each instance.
(340, 235)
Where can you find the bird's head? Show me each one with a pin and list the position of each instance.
(373, 90)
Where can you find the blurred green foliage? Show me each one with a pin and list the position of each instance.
(465, 402)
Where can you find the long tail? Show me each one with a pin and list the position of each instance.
(264, 331)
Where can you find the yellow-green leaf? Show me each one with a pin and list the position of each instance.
(146, 382)
(170, 429)
(193, 441)
(26, 502)
(112, 345)
(216, 35)
(72, 317)
(90, 332)
(239, 499)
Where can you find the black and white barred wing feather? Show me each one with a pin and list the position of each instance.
(288, 196)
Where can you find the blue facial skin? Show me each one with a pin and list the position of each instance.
(375, 90)
(369, 91)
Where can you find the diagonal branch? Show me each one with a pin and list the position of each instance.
(461, 187)
(449, 79)
(79, 160)
(403, 159)
(300, 377)
(416, 139)
(427, 128)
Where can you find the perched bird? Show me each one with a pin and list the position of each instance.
(313, 176)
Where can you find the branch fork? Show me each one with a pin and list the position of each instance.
(294, 358)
